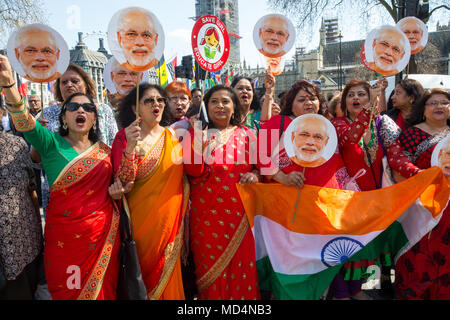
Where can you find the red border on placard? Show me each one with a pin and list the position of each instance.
(363, 57)
(210, 19)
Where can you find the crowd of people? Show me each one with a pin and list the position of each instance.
(177, 177)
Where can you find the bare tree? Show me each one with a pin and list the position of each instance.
(428, 60)
(309, 11)
(16, 13)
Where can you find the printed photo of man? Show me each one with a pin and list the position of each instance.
(388, 49)
(37, 52)
(416, 32)
(273, 36)
(309, 138)
(138, 37)
(444, 158)
(124, 79)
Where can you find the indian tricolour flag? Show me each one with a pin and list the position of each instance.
(298, 257)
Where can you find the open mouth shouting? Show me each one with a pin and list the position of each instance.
(80, 120)
(156, 111)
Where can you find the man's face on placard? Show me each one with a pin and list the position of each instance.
(444, 159)
(388, 49)
(273, 34)
(37, 53)
(413, 32)
(124, 79)
(137, 37)
(309, 139)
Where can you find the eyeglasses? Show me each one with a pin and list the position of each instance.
(133, 35)
(33, 101)
(153, 101)
(74, 106)
(176, 99)
(436, 103)
(310, 98)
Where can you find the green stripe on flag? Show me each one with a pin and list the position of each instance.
(312, 286)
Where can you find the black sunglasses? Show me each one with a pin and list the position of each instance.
(74, 106)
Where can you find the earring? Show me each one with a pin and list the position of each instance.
(95, 126)
(65, 126)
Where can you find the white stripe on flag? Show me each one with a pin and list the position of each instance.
(295, 253)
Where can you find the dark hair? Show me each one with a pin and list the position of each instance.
(417, 113)
(348, 86)
(332, 104)
(88, 82)
(311, 88)
(236, 119)
(412, 88)
(94, 133)
(126, 114)
(195, 90)
(255, 105)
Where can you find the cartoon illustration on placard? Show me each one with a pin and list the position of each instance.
(210, 43)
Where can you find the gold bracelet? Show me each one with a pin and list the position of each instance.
(17, 104)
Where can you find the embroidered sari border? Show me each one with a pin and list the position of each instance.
(173, 249)
(74, 171)
(211, 275)
(94, 282)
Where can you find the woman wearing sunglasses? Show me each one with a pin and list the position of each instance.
(81, 247)
(150, 156)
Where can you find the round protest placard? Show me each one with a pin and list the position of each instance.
(310, 140)
(386, 50)
(120, 80)
(416, 31)
(38, 53)
(274, 35)
(136, 38)
(210, 43)
(441, 156)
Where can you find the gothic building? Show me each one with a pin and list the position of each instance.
(336, 62)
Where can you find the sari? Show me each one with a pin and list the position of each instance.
(222, 243)
(422, 273)
(157, 206)
(81, 241)
(81, 231)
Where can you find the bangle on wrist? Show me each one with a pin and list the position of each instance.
(17, 104)
(9, 86)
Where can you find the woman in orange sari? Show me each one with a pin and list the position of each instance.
(81, 243)
(222, 242)
(158, 201)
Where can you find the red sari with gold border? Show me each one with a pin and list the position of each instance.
(221, 240)
(81, 231)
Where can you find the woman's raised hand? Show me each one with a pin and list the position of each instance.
(133, 134)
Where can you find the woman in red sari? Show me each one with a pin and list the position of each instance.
(359, 134)
(221, 241)
(423, 271)
(303, 98)
(81, 243)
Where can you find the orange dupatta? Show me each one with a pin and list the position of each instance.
(157, 205)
